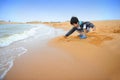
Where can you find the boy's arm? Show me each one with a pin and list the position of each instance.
(70, 32)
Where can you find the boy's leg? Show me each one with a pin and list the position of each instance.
(87, 29)
(92, 26)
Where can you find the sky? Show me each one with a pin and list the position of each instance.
(59, 10)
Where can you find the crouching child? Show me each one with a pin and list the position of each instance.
(81, 27)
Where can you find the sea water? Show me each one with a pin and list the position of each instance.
(10, 33)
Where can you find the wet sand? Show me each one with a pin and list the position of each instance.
(94, 58)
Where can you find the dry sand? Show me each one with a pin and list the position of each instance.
(94, 58)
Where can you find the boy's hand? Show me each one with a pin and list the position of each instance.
(65, 37)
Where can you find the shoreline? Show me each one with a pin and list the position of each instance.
(94, 58)
(16, 48)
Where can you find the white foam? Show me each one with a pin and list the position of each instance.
(5, 41)
(7, 57)
(10, 64)
(40, 31)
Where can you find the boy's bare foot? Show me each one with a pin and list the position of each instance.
(94, 29)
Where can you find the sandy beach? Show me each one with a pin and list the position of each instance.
(72, 58)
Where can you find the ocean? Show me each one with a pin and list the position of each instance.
(13, 33)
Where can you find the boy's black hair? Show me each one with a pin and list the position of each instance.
(74, 20)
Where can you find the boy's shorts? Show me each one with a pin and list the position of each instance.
(87, 26)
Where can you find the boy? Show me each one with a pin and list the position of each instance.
(80, 26)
